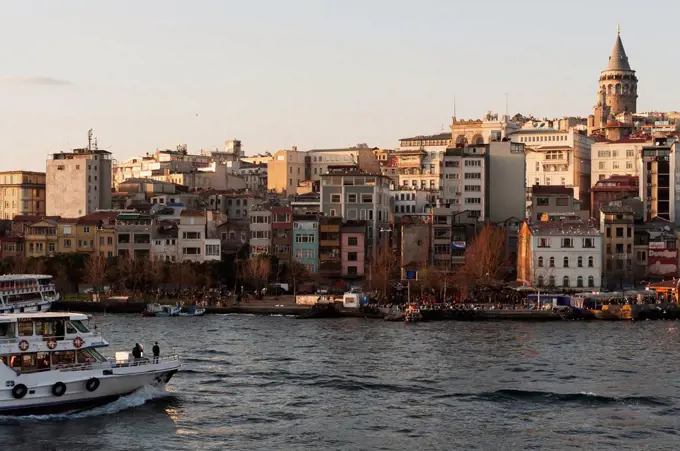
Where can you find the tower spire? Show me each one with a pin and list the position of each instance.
(618, 29)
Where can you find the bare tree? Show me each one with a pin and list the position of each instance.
(95, 271)
(383, 270)
(256, 271)
(485, 259)
(297, 273)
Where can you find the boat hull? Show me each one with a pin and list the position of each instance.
(41, 400)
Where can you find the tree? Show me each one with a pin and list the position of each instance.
(256, 271)
(95, 271)
(383, 270)
(485, 259)
(296, 273)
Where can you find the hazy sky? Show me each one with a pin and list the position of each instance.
(312, 73)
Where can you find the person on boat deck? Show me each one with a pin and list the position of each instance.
(156, 352)
(137, 351)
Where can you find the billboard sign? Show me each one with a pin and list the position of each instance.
(662, 262)
(458, 245)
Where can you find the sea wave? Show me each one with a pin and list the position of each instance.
(135, 399)
(584, 398)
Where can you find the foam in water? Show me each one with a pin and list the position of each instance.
(136, 399)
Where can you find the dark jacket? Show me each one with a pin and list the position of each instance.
(156, 350)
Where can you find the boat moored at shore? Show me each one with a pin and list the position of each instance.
(50, 362)
(23, 293)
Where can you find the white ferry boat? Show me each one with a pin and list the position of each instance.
(21, 293)
(49, 362)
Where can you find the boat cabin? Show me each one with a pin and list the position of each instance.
(33, 342)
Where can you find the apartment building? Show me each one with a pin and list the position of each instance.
(616, 158)
(330, 256)
(282, 233)
(193, 242)
(465, 180)
(78, 183)
(617, 225)
(491, 128)
(658, 183)
(21, 193)
(306, 241)
(286, 170)
(616, 187)
(133, 234)
(419, 161)
(41, 238)
(353, 255)
(355, 195)
(260, 230)
(554, 199)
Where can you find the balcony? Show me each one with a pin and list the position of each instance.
(329, 228)
(330, 243)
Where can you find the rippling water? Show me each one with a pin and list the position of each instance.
(261, 383)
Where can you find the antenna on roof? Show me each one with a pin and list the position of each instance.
(454, 105)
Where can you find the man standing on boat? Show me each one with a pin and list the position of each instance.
(137, 351)
(156, 352)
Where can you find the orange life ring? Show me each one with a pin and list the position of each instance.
(52, 343)
(78, 342)
(24, 345)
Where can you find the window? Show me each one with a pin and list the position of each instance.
(567, 242)
(629, 165)
(562, 201)
(352, 241)
(123, 238)
(630, 153)
(86, 230)
(579, 262)
(471, 163)
(552, 262)
(551, 281)
(473, 188)
(588, 243)
(615, 164)
(191, 251)
(540, 281)
(565, 281)
(579, 281)
(25, 328)
(352, 271)
(51, 247)
(619, 232)
(67, 243)
(352, 198)
(335, 198)
(473, 175)
(629, 231)
(566, 262)
(212, 249)
(473, 200)
(544, 242)
(590, 263)
(191, 235)
(542, 201)
(538, 166)
(591, 281)
(602, 165)
(540, 262)
(352, 256)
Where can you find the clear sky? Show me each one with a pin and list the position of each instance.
(313, 73)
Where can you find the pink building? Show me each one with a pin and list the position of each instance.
(353, 248)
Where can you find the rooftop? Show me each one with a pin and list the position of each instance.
(439, 136)
(14, 277)
(551, 189)
(13, 317)
(563, 228)
(608, 209)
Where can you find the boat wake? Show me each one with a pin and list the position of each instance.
(135, 399)
(585, 398)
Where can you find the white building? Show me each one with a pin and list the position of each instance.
(464, 180)
(557, 157)
(193, 244)
(622, 157)
(409, 201)
(560, 254)
(419, 161)
(260, 231)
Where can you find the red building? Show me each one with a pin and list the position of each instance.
(616, 187)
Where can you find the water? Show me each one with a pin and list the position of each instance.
(276, 383)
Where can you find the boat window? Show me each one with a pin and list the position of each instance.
(43, 360)
(70, 330)
(63, 357)
(3, 358)
(28, 362)
(7, 330)
(80, 326)
(25, 328)
(96, 355)
(85, 356)
(44, 327)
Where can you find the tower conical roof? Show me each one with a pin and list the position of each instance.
(618, 60)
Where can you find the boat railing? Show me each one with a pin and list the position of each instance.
(25, 290)
(33, 339)
(112, 363)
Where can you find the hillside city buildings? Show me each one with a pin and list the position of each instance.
(586, 202)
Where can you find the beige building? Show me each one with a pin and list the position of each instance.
(22, 193)
(286, 170)
(78, 182)
(482, 131)
(361, 155)
(258, 159)
(610, 158)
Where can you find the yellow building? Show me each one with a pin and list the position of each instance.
(97, 233)
(66, 235)
(286, 170)
(41, 238)
(22, 193)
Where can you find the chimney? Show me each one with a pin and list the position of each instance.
(294, 149)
